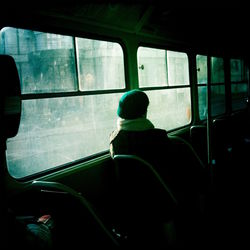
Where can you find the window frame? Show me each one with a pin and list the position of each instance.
(78, 92)
(242, 82)
(183, 86)
(211, 84)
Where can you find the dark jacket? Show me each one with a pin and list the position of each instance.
(150, 144)
(174, 162)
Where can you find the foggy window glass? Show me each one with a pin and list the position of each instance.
(217, 70)
(60, 130)
(239, 96)
(177, 68)
(152, 67)
(45, 62)
(201, 64)
(157, 67)
(169, 108)
(218, 104)
(239, 87)
(55, 131)
(202, 102)
(201, 69)
(100, 64)
(236, 70)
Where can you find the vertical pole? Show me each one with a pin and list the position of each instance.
(209, 123)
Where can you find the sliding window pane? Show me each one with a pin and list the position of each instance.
(169, 108)
(239, 86)
(201, 64)
(239, 95)
(152, 67)
(59, 131)
(177, 68)
(217, 101)
(100, 65)
(45, 61)
(157, 67)
(217, 70)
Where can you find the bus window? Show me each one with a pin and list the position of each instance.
(152, 69)
(44, 59)
(60, 123)
(217, 86)
(170, 106)
(100, 64)
(239, 86)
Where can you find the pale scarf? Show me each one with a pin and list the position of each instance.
(139, 124)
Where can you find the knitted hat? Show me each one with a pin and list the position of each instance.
(133, 104)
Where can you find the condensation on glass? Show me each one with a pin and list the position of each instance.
(157, 67)
(45, 62)
(55, 131)
(100, 64)
(239, 87)
(169, 108)
(218, 105)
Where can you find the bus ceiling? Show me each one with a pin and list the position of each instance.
(210, 28)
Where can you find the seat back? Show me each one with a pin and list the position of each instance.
(143, 198)
(10, 101)
(198, 136)
(77, 221)
(10, 112)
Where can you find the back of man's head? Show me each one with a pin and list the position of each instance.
(133, 104)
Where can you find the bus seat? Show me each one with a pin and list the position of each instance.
(191, 188)
(10, 97)
(76, 220)
(198, 138)
(240, 128)
(221, 139)
(143, 201)
(222, 136)
(191, 169)
(192, 179)
(222, 150)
